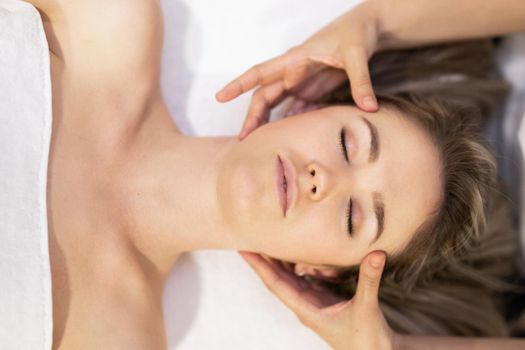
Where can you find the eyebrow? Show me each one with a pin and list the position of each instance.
(378, 199)
(374, 141)
(379, 210)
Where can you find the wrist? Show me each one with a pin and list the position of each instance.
(366, 16)
(387, 25)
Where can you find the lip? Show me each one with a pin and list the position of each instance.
(279, 182)
(285, 170)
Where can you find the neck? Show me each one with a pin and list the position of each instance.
(171, 185)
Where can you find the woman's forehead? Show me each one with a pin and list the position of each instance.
(412, 170)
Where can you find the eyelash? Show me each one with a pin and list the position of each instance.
(349, 217)
(342, 143)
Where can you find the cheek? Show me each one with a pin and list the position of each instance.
(317, 235)
(306, 239)
(324, 241)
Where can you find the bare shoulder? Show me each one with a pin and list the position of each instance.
(105, 41)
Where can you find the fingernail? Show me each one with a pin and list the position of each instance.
(218, 95)
(370, 102)
(223, 94)
(376, 261)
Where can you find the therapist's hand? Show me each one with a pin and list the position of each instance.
(354, 324)
(338, 51)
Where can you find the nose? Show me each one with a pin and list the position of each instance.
(318, 181)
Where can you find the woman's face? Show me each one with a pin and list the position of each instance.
(355, 182)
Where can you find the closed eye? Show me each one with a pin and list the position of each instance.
(342, 142)
(349, 217)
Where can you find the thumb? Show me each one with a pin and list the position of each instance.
(356, 66)
(370, 277)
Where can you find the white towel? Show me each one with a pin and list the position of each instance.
(25, 128)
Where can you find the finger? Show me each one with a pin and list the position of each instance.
(260, 74)
(369, 278)
(356, 66)
(328, 60)
(263, 100)
(283, 287)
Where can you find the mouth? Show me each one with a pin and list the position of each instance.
(286, 188)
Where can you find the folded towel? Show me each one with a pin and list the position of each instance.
(25, 129)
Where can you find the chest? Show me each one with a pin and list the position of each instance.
(86, 320)
(101, 297)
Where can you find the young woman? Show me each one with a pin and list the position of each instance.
(310, 70)
(127, 193)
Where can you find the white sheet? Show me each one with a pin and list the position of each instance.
(25, 129)
(213, 300)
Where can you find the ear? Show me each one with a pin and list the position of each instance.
(319, 272)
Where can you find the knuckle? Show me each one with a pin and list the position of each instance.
(371, 281)
(259, 102)
(262, 96)
(267, 98)
(241, 85)
(361, 83)
(293, 77)
(258, 69)
(257, 96)
(288, 83)
(355, 50)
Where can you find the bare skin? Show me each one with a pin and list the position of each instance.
(117, 219)
(97, 110)
(127, 193)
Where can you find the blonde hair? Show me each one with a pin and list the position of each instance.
(446, 280)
